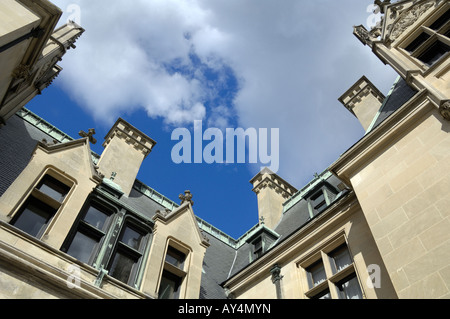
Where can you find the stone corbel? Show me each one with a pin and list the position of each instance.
(22, 71)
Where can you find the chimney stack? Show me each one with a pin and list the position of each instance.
(363, 100)
(125, 149)
(272, 191)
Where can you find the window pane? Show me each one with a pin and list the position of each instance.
(122, 266)
(175, 257)
(318, 201)
(447, 34)
(341, 257)
(417, 42)
(443, 19)
(317, 273)
(53, 188)
(349, 288)
(96, 217)
(434, 53)
(34, 217)
(82, 247)
(131, 238)
(169, 287)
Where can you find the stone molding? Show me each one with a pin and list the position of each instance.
(406, 18)
(275, 185)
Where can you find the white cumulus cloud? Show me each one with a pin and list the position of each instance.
(290, 59)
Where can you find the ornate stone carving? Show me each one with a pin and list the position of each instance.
(187, 197)
(444, 109)
(365, 36)
(89, 135)
(22, 72)
(407, 18)
(272, 184)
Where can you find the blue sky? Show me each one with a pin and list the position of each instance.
(161, 64)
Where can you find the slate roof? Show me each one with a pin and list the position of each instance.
(400, 93)
(17, 142)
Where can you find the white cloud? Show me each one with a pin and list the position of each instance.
(293, 59)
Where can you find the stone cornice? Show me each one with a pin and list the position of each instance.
(267, 178)
(131, 135)
(268, 182)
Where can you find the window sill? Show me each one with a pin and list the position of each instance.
(341, 274)
(317, 289)
(174, 270)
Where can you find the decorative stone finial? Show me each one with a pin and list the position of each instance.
(89, 135)
(187, 197)
(261, 220)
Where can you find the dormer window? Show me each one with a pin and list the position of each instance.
(260, 241)
(173, 274)
(258, 247)
(320, 199)
(175, 257)
(41, 206)
(53, 188)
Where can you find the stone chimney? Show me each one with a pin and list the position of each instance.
(125, 149)
(272, 191)
(363, 100)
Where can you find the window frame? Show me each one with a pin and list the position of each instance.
(327, 192)
(103, 255)
(44, 199)
(84, 227)
(434, 36)
(257, 247)
(125, 249)
(173, 271)
(333, 277)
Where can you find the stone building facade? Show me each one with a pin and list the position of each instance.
(375, 224)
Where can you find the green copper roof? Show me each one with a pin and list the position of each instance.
(44, 126)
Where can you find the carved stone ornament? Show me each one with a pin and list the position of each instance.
(444, 109)
(187, 197)
(90, 135)
(408, 18)
(22, 72)
(363, 35)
